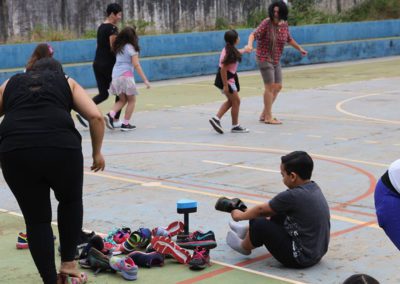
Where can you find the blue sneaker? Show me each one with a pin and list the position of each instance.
(126, 266)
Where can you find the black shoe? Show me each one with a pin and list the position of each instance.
(127, 127)
(239, 129)
(197, 239)
(109, 121)
(84, 238)
(216, 124)
(82, 120)
(225, 204)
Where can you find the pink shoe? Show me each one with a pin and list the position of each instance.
(165, 245)
(171, 230)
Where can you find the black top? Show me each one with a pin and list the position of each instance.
(386, 181)
(104, 55)
(37, 108)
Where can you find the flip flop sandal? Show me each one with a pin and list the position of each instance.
(68, 279)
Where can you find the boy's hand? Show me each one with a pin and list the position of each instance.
(236, 214)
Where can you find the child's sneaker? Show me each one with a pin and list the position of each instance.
(137, 240)
(109, 121)
(171, 230)
(165, 245)
(22, 241)
(216, 124)
(126, 266)
(121, 235)
(200, 258)
(144, 259)
(239, 129)
(127, 127)
(198, 239)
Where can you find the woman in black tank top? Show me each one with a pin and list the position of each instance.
(41, 149)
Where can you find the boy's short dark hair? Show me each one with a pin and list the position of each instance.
(298, 162)
(361, 279)
(114, 8)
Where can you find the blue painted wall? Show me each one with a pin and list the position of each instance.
(159, 65)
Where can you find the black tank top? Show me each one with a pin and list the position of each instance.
(37, 108)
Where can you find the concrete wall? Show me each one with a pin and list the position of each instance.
(174, 56)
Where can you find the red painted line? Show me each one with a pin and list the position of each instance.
(223, 270)
(363, 225)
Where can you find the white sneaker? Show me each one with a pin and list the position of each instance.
(117, 124)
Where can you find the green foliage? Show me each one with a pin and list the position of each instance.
(141, 25)
(90, 34)
(221, 24)
(373, 10)
(255, 17)
(40, 33)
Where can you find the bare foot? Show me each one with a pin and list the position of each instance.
(70, 268)
(273, 121)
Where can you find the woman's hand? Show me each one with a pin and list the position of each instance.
(303, 52)
(98, 163)
(147, 83)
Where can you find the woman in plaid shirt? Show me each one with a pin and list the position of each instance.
(271, 36)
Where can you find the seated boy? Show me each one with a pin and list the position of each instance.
(294, 225)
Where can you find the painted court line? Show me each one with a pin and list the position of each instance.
(240, 166)
(250, 201)
(341, 103)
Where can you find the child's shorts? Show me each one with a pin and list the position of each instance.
(123, 85)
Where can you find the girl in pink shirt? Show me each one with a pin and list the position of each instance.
(227, 80)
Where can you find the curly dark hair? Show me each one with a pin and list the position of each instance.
(283, 10)
(232, 54)
(127, 35)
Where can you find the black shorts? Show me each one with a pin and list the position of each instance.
(273, 235)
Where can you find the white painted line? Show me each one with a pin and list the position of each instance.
(203, 129)
(314, 136)
(396, 144)
(371, 142)
(286, 134)
(15, 214)
(150, 184)
(3, 211)
(260, 132)
(340, 109)
(240, 166)
(177, 127)
(341, 138)
(257, 272)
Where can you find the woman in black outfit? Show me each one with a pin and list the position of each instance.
(105, 59)
(40, 149)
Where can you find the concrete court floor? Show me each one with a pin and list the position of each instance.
(351, 130)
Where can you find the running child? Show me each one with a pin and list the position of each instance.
(126, 47)
(227, 80)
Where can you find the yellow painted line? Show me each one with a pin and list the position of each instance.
(351, 220)
(240, 166)
(270, 150)
(249, 201)
(177, 127)
(257, 272)
(340, 109)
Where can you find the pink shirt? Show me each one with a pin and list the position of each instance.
(231, 67)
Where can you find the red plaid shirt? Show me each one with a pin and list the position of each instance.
(271, 40)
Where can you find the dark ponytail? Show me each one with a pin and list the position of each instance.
(232, 54)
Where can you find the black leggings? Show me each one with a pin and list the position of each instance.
(103, 79)
(30, 173)
(273, 235)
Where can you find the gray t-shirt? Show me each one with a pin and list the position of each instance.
(307, 221)
(123, 61)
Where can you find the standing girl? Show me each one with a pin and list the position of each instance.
(228, 81)
(126, 47)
